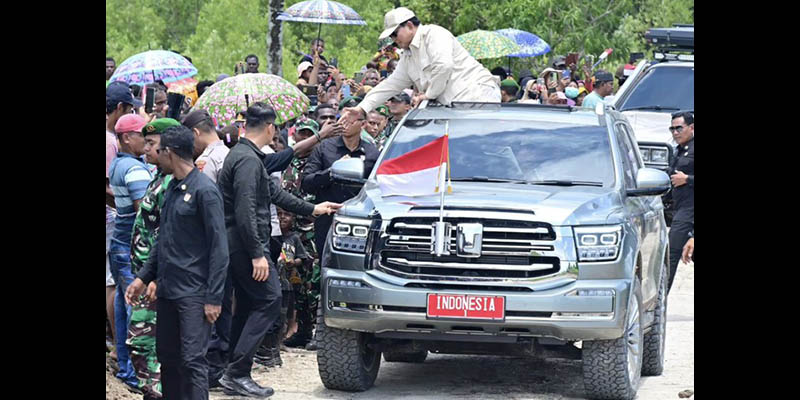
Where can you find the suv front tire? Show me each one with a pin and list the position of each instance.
(612, 368)
(345, 361)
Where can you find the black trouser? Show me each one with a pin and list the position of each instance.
(321, 227)
(219, 343)
(258, 307)
(182, 333)
(678, 235)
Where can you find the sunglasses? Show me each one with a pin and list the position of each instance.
(678, 128)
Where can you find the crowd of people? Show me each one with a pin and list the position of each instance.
(215, 234)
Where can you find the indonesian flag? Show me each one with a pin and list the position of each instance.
(418, 172)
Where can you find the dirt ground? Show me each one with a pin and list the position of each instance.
(484, 377)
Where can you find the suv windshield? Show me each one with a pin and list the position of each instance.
(522, 151)
(666, 89)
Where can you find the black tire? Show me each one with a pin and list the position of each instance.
(415, 357)
(608, 373)
(345, 362)
(655, 340)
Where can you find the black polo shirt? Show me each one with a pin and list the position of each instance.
(190, 255)
(683, 196)
(316, 175)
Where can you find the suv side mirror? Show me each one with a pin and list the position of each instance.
(650, 182)
(348, 171)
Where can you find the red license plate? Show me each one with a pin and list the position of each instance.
(466, 306)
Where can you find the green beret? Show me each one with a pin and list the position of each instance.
(159, 126)
(508, 82)
(383, 110)
(346, 102)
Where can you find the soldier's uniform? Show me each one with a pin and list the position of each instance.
(305, 280)
(142, 329)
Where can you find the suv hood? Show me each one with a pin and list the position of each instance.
(650, 126)
(556, 205)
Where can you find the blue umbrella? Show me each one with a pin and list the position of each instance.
(322, 12)
(530, 44)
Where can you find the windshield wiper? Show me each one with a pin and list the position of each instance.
(552, 182)
(555, 182)
(657, 108)
(487, 179)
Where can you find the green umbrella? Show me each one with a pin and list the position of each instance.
(487, 44)
(226, 98)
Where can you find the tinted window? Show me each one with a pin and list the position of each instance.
(629, 162)
(668, 87)
(519, 150)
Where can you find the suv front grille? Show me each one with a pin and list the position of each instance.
(509, 251)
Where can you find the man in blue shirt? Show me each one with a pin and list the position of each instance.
(603, 86)
(128, 178)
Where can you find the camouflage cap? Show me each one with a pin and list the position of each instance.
(159, 126)
(509, 83)
(309, 124)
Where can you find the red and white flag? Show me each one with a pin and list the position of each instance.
(418, 172)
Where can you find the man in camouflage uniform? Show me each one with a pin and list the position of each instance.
(304, 279)
(142, 329)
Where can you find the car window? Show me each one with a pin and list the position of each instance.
(671, 88)
(629, 162)
(513, 149)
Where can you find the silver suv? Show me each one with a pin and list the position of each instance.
(557, 236)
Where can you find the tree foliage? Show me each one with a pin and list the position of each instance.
(218, 33)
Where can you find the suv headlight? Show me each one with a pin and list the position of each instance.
(659, 155)
(350, 234)
(598, 243)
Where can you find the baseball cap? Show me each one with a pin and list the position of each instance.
(309, 124)
(130, 123)
(195, 117)
(383, 110)
(393, 19)
(402, 96)
(159, 126)
(508, 82)
(560, 60)
(119, 92)
(603, 76)
(302, 67)
(349, 101)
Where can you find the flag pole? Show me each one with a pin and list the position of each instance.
(440, 234)
(443, 174)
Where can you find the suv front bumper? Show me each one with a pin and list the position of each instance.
(383, 307)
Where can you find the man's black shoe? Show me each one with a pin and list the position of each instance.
(312, 345)
(244, 386)
(267, 361)
(297, 340)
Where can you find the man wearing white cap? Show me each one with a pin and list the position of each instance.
(307, 74)
(434, 62)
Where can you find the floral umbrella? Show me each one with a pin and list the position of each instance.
(530, 44)
(487, 44)
(226, 98)
(322, 12)
(150, 66)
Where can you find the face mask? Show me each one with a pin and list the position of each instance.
(571, 92)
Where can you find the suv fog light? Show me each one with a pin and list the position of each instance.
(595, 292)
(347, 283)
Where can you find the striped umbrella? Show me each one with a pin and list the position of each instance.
(224, 99)
(150, 66)
(322, 12)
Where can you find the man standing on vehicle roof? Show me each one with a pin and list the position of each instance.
(434, 62)
(681, 172)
